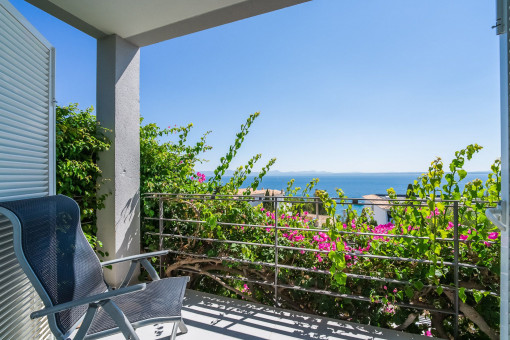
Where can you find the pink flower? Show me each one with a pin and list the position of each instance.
(245, 288)
(319, 258)
(395, 290)
(450, 226)
(385, 288)
(487, 244)
(493, 236)
(463, 237)
(428, 333)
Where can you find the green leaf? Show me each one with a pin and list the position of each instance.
(477, 295)
(409, 292)
(340, 278)
(418, 285)
(462, 294)
(462, 174)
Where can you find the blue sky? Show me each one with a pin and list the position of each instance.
(342, 86)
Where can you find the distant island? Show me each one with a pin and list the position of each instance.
(314, 173)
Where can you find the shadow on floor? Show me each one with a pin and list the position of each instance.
(212, 317)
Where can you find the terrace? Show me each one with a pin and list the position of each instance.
(27, 169)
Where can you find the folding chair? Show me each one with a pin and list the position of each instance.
(66, 273)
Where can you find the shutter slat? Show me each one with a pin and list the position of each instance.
(25, 195)
(22, 158)
(21, 32)
(18, 116)
(9, 140)
(36, 63)
(6, 164)
(39, 77)
(20, 173)
(23, 185)
(25, 178)
(38, 59)
(20, 104)
(17, 78)
(23, 134)
(32, 127)
(24, 148)
(24, 94)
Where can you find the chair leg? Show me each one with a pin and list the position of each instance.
(129, 274)
(87, 320)
(182, 327)
(174, 330)
(120, 319)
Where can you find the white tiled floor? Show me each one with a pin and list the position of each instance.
(210, 317)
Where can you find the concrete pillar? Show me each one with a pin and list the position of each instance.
(118, 109)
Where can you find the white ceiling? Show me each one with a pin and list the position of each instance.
(145, 22)
(131, 17)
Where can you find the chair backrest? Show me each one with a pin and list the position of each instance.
(49, 242)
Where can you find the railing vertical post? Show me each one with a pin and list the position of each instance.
(316, 210)
(456, 265)
(276, 252)
(161, 216)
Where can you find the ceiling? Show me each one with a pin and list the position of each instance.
(145, 22)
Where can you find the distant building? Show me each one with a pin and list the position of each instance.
(379, 206)
(261, 194)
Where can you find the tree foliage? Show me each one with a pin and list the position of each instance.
(79, 140)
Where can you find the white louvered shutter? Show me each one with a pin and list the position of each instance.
(27, 157)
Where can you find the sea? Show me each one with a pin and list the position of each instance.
(354, 185)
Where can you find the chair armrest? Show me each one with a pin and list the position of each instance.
(87, 300)
(135, 257)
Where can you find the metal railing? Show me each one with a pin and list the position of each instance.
(277, 202)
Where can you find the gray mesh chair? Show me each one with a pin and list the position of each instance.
(67, 275)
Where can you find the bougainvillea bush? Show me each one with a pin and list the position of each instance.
(338, 253)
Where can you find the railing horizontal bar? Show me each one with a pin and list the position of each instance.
(287, 200)
(308, 229)
(264, 283)
(374, 234)
(211, 239)
(313, 198)
(318, 291)
(380, 279)
(325, 272)
(200, 221)
(230, 259)
(363, 298)
(381, 257)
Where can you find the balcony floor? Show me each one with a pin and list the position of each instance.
(210, 317)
